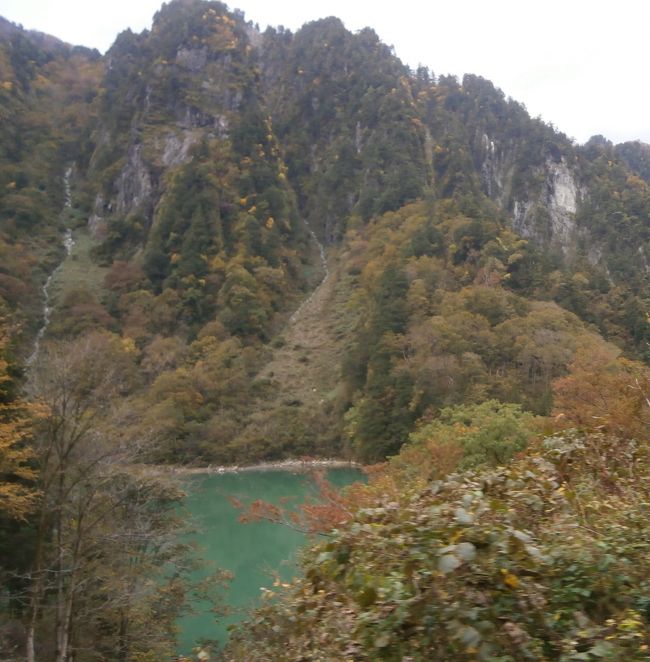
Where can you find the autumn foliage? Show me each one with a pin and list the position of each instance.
(17, 474)
(605, 392)
(327, 509)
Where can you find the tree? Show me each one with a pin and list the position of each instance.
(17, 475)
(464, 437)
(605, 392)
(104, 528)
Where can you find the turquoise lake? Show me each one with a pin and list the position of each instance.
(251, 552)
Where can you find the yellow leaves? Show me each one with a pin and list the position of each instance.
(270, 223)
(11, 185)
(602, 390)
(175, 257)
(128, 345)
(7, 85)
(579, 279)
(509, 579)
(17, 500)
(456, 536)
(16, 424)
(636, 182)
(217, 264)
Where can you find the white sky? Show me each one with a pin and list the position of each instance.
(580, 64)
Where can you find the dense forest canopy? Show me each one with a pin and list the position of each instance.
(225, 246)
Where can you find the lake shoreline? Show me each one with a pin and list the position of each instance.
(295, 466)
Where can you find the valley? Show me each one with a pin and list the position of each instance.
(222, 249)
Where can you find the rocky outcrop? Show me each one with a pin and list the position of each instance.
(548, 215)
(176, 147)
(134, 186)
(494, 170)
(193, 59)
(544, 210)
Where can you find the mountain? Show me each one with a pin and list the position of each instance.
(197, 146)
(240, 246)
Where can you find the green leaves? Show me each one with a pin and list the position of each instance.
(476, 569)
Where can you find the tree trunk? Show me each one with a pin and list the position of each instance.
(63, 634)
(36, 588)
(123, 645)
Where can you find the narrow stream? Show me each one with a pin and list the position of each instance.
(324, 265)
(68, 243)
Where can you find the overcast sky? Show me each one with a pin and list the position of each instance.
(580, 64)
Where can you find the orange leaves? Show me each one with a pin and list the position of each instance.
(604, 392)
(17, 497)
(259, 510)
(328, 509)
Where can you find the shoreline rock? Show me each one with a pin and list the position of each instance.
(297, 466)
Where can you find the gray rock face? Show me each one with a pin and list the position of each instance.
(177, 146)
(546, 212)
(556, 203)
(193, 59)
(562, 203)
(493, 169)
(134, 185)
(644, 259)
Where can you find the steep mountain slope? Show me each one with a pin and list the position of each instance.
(343, 109)
(348, 113)
(186, 168)
(301, 390)
(46, 91)
(203, 144)
(635, 154)
(364, 136)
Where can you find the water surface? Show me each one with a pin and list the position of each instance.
(252, 552)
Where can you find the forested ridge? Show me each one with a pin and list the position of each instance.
(479, 331)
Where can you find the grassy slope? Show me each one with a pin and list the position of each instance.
(297, 411)
(78, 270)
